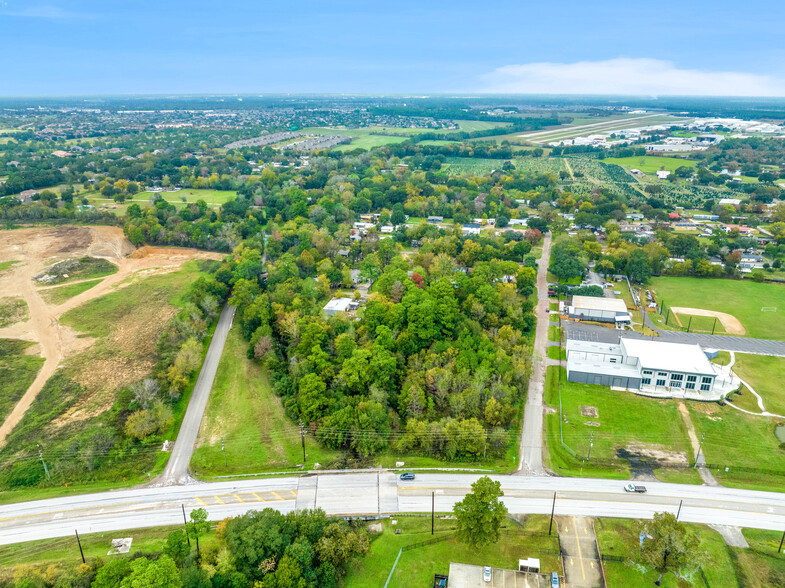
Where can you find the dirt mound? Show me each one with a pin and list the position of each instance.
(730, 323)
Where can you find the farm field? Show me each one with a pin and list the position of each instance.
(649, 164)
(369, 142)
(245, 415)
(740, 298)
(627, 422)
(417, 567)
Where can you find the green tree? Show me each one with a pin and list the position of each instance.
(670, 546)
(176, 546)
(197, 525)
(159, 573)
(480, 514)
(111, 575)
(638, 267)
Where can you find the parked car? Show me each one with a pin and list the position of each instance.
(407, 476)
(554, 580)
(634, 488)
(486, 574)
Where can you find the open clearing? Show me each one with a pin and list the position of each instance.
(743, 299)
(245, 414)
(626, 424)
(650, 164)
(417, 567)
(730, 323)
(37, 248)
(764, 373)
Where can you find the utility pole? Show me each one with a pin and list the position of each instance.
(700, 446)
(553, 509)
(302, 436)
(80, 545)
(185, 524)
(781, 541)
(41, 456)
(591, 444)
(679, 511)
(485, 445)
(689, 324)
(223, 448)
(433, 504)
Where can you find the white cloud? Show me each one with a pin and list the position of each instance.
(627, 76)
(45, 11)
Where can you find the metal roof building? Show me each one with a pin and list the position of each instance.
(605, 310)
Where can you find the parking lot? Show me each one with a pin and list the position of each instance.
(467, 576)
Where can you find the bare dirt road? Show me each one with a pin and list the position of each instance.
(37, 248)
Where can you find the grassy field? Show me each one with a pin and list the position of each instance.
(557, 353)
(761, 564)
(688, 322)
(65, 551)
(619, 537)
(17, 371)
(62, 293)
(4, 265)
(735, 440)
(249, 417)
(763, 373)
(417, 566)
(649, 164)
(741, 298)
(12, 310)
(626, 421)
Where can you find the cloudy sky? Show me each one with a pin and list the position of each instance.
(58, 47)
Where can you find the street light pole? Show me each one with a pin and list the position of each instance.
(433, 509)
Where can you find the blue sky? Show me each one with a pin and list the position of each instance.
(59, 47)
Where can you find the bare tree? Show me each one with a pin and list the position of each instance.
(145, 392)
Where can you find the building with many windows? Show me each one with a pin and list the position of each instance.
(653, 368)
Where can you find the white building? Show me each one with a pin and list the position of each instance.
(604, 310)
(652, 368)
(337, 305)
(663, 174)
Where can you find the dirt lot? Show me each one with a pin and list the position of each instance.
(37, 248)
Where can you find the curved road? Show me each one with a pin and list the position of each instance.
(381, 492)
(176, 471)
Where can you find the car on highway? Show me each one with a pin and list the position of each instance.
(486, 574)
(634, 488)
(407, 476)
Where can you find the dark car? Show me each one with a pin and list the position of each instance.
(407, 476)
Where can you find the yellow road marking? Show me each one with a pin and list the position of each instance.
(238, 498)
(218, 498)
(278, 496)
(259, 497)
(580, 553)
(200, 500)
(51, 512)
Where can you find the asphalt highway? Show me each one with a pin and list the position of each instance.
(382, 493)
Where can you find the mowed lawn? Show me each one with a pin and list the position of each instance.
(249, 417)
(649, 164)
(625, 421)
(741, 298)
(619, 537)
(764, 373)
(735, 440)
(417, 566)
